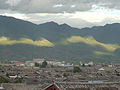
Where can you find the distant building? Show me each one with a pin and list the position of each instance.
(91, 63)
(39, 60)
(18, 63)
(52, 87)
(30, 63)
(50, 62)
(101, 69)
(83, 86)
(2, 88)
(13, 76)
(110, 65)
(68, 65)
(87, 64)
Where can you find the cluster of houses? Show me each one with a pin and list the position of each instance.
(60, 76)
(64, 86)
(50, 62)
(40, 61)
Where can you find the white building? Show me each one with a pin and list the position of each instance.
(40, 61)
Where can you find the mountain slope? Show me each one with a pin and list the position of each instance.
(15, 28)
(50, 40)
(106, 34)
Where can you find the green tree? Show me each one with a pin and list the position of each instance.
(65, 74)
(3, 80)
(19, 80)
(37, 64)
(44, 64)
(7, 75)
(76, 69)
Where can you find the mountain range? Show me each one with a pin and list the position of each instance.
(23, 40)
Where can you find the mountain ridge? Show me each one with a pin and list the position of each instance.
(80, 46)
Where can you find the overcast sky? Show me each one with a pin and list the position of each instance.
(77, 13)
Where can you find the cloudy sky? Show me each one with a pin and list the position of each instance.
(77, 13)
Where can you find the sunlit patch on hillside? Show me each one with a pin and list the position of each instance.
(90, 41)
(42, 42)
(103, 53)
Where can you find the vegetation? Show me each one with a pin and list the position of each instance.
(67, 52)
(60, 42)
(18, 80)
(103, 53)
(77, 69)
(65, 74)
(42, 42)
(37, 65)
(3, 80)
(44, 64)
(7, 75)
(91, 41)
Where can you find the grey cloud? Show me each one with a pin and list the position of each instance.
(79, 23)
(46, 6)
(3, 4)
(13, 2)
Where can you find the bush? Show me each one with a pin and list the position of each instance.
(19, 80)
(44, 64)
(77, 69)
(37, 64)
(3, 80)
(66, 74)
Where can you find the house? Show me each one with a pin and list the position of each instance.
(83, 86)
(52, 87)
(13, 76)
(49, 62)
(2, 88)
(30, 63)
(101, 69)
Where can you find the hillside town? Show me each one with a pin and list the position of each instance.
(39, 74)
